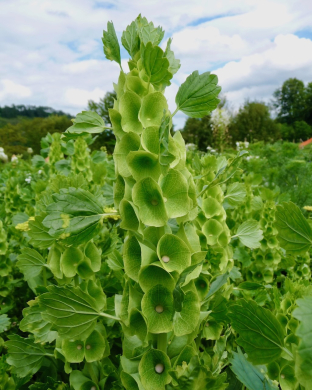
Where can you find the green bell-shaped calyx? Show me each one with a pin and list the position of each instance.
(154, 370)
(173, 253)
(147, 196)
(157, 307)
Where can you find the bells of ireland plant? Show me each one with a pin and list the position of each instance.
(163, 253)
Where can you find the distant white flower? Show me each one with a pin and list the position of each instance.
(28, 179)
(40, 171)
(14, 158)
(246, 143)
(190, 147)
(30, 151)
(3, 156)
(220, 117)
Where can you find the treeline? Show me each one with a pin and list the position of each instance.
(287, 117)
(17, 138)
(9, 112)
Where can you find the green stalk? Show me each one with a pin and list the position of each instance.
(76, 280)
(109, 316)
(92, 373)
(44, 276)
(162, 342)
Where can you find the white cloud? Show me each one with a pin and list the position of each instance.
(52, 51)
(258, 75)
(78, 97)
(11, 89)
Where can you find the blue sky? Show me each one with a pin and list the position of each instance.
(51, 51)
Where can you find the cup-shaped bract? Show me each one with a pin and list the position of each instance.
(147, 196)
(157, 307)
(154, 370)
(173, 253)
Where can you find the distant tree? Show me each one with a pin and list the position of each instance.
(253, 122)
(14, 111)
(199, 132)
(290, 101)
(308, 104)
(15, 139)
(302, 131)
(106, 138)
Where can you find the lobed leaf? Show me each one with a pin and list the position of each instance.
(197, 96)
(294, 231)
(260, 333)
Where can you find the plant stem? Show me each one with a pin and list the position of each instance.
(177, 109)
(109, 316)
(162, 342)
(44, 276)
(92, 373)
(76, 280)
(288, 352)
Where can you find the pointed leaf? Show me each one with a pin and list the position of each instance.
(174, 64)
(72, 311)
(111, 44)
(155, 66)
(25, 356)
(294, 231)
(197, 96)
(260, 333)
(87, 122)
(30, 262)
(250, 234)
(130, 39)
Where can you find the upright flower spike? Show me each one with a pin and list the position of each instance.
(156, 198)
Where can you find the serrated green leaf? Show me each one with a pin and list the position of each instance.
(155, 66)
(30, 262)
(174, 64)
(40, 238)
(25, 356)
(260, 333)
(111, 44)
(235, 194)
(197, 96)
(294, 231)
(87, 122)
(72, 311)
(34, 323)
(130, 39)
(148, 32)
(250, 234)
(248, 374)
(74, 216)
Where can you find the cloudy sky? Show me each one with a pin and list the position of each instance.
(51, 51)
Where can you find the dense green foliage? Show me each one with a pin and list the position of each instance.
(157, 268)
(253, 122)
(283, 168)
